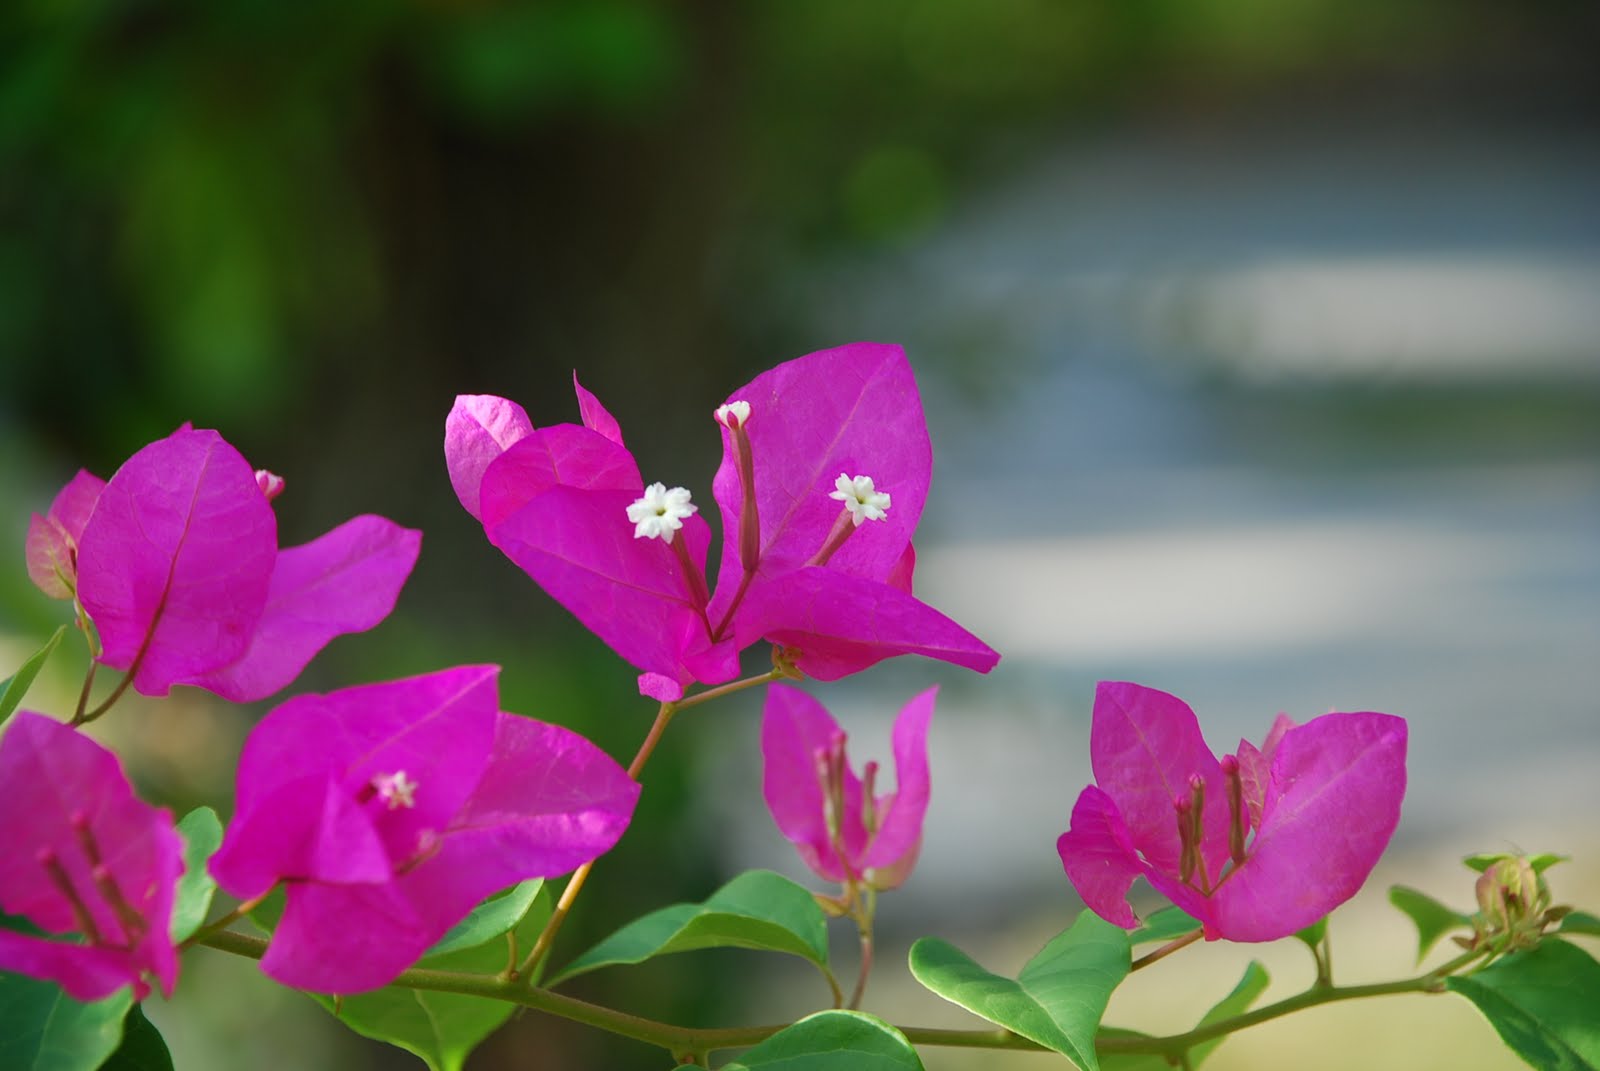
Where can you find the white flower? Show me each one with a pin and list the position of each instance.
(660, 513)
(396, 789)
(733, 415)
(864, 501)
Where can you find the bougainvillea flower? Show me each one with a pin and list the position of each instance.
(390, 810)
(176, 562)
(843, 828)
(1256, 845)
(81, 854)
(826, 467)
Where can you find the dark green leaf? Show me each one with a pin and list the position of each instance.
(1164, 925)
(1237, 1002)
(1542, 1002)
(757, 909)
(1432, 918)
(202, 833)
(442, 1028)
(43, 1029)
(266, 915)
(142, 1049)
(1581, 922)
(832, 1041)
(490, 919)
(1058, 998)
(13, 690)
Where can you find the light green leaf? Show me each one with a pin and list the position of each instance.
(1164, 925)
(12, 691)
(202, 833)
(490, 919)
(1542, 1002)
(1237, 1002)
(1058, 998)
(1581, 922)
(442, 1028)
(43, 1029)
(142, 1049)
(1433, 919)
(758, 909)
(832, 1041)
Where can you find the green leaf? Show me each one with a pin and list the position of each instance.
(1432, 918)
(142, 1049)
(266, 915)
(43, 1029)
(1164, 925)
(758, 909)
(1058, 998)
(1237, 1002)
(832, 1041)
(13, 690)
(442, 1028)
(1542, 1004)
(1540, 863)
(490, 919)
(1580, 922)
(202, 833)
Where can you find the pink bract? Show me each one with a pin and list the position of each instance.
(837, 595)
(82, 854)
(390, 810)
(842, 829)
(1318, 804)
(176, 562)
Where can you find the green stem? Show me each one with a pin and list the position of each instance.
(728, 689)
(680, 1039)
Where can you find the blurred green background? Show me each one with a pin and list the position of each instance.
(311, 226)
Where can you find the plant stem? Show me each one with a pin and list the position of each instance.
(728, 689)
(223, 922)
(680, 1039)
(1166, 950)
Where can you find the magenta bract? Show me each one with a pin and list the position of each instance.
(825, 470)
(842, 827)
(390, 810)
(80, 853)
(1256, 846)
(176, 562)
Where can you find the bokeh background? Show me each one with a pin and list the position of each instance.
(1260, 341)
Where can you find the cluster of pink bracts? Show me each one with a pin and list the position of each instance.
(387, 811)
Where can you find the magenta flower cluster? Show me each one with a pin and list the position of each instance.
(826, 466)
(387, 811)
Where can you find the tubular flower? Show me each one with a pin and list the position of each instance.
(825, 469)
(390, 810)
(176, 562)
(1257, 845)
(82, 854)
(844, 829)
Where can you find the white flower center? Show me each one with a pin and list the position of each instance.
(864, 501)
(733, 415)
(396, 790)
(660, 512)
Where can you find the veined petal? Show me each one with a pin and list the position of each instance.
(1144, 744)
(563, 455)
(839, 625)
(176, 559)
(1333, 802)
(900, 829)
(852, 409)
(594, 415)
(52, 543)
(1099, 857)
(344, 581)
(479, 429)
(579, 547)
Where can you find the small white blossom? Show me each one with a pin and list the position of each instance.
(733, 415)
(660, 513)
(396, 790)
(864, 501)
